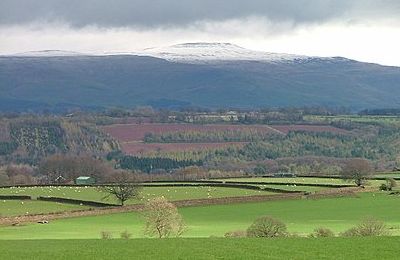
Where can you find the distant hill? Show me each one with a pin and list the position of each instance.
(29, 139)
(196, 74)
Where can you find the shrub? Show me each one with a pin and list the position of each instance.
(390, 184)
(267, 227)
(162, 219)
(106, 235)
(236, 233)
(352, 232)
(368, 227)
(126, 235)
(383, 187)
(322, 232)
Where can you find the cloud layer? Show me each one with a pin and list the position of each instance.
(178, 13)
(367, 30)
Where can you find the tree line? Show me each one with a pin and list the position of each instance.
(149, 165)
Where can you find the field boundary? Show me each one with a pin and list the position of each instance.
(15, 197)
(18, 220)
(76, 201)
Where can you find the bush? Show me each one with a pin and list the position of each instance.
(368, 227)
(126, 235)
(384, 187)
(162, 219)
(322, 232)
(267, 227)
(352, 232)
(236, 233)
(106, 235)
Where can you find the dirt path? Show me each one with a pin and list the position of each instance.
(342, 192)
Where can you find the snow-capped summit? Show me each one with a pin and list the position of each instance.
(210, 52)
(194, 53)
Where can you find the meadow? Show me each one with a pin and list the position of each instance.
(17, 207)
(301, 216)
(94, 194)
(172, 193)
(210, 248)
(302, 180)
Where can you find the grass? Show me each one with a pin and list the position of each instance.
(17, 207)
(304, 180)
(388, 175)
(211, 248)
(301, 216)
(171, 193)
(294, 187)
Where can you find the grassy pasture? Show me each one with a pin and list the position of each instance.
(388, 175)
(294, 187)
(171, 193)
(211, 248)
(17, 207)
(301, 216)
(303, 180)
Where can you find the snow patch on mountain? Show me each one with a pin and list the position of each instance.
(213, 52)
(195, 53)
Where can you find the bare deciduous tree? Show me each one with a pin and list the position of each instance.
(162, 219)
(123, 188)
(70, 167)
(357, 170)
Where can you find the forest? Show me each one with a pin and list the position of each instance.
(316, 145)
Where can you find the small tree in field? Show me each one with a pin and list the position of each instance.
(123, 188)
(162, 219)
(391, 183)
(357, 170)
(267, 227)
(368, 227)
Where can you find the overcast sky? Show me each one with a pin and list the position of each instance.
(366, 30)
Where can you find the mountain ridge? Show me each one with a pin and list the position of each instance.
(195, 52)
(98, 81)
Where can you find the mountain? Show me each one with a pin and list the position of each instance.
(49, 53)
(195, 74)
(216, 52)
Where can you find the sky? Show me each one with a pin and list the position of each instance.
(365, 30)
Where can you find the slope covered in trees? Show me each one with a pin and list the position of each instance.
(28, 139)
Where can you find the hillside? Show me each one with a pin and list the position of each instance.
(30, 139)
(224, 77)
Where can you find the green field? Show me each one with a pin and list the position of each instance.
(292, 187)
(17, 207)
(171, 193)
(301, 216)
(303, 180)
(388, 175)
(211, 248)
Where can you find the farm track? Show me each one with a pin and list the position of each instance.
(341, 192)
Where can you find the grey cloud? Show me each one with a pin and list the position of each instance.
(155, 13)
